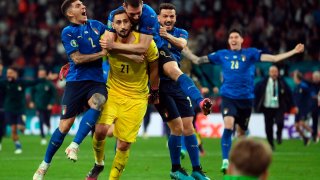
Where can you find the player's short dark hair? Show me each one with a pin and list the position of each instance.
(65, 6)
(234, 30)
(119, 11)
(166, 6)
(133, 3)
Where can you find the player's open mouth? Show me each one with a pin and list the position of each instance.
(167, 24)
(84, 13)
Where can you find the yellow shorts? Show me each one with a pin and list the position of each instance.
(126, 114)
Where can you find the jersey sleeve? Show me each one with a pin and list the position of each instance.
(183, 34)
(70, 43)
(214, 58)
(152, 52)
(149, 21)
(255, 54)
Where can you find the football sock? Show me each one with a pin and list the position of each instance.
(88, 120)
(174, 144)
(193, 150)
(54, 144)
(98, 150)
(17, 144)
(183, 144)
(119, 162)
(189, 88)
(226, 143)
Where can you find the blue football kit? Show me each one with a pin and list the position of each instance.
(237, 90)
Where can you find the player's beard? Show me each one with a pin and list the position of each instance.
(168, 25)
(124, 33)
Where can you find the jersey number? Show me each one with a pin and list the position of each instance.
(93, 45)
(234, 65)
(124, 68)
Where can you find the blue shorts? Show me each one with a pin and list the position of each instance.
(240, 109)
(302, 115)
(76, 95)
(13, 118)
(164, 56)
(173, 102)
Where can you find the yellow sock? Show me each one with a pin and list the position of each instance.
(198, 138)
(98, 150)
(119, 162)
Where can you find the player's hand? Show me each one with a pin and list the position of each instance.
(138, 58)
(106, 44)
(299, 48)
(64, 71)
(163, 32)
(31, 105)
(153, 97)
(104, 52)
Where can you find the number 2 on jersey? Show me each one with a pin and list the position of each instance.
(93, 45)
(234, 64)
(124, 68)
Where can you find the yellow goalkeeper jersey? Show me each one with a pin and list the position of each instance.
(128, 78)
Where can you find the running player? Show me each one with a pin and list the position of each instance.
(128, 99)
(85, 84)
(238, 83)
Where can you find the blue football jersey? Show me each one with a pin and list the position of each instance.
(85, 39)
(303, 96)
(148, 23)
(238, 71)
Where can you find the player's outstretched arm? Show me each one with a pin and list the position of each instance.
(79, 58)
(194, 58)
(139, 48)
(275, 58)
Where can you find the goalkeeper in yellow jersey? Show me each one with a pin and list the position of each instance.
(128, 94)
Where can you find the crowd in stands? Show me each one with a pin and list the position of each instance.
(30, 29)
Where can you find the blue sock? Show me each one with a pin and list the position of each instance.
(174, 145)
(189, 88)
(88, 120)
(17, 144)
(54, 144)
(193, 149)
(226, 143)
(183, 144)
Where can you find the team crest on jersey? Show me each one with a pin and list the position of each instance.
(95, 30)
(243, 58)
(225, 110)
(164, 54)
(63, 109)
(73, 43)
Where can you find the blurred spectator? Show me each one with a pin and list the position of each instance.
(315, 104)
(303, 98)
(249, 159)
(273, 98)
(43, 96)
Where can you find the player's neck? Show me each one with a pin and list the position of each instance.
(127, 39)
(77, 22)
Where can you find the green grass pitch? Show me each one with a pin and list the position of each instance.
(149, 160)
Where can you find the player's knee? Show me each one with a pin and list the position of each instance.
(100, 132)
(176, 130)
(187, 131)
(172, 71)
(123, 146)
(97, 101)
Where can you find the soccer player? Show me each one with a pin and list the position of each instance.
(303, 99)
(128, 99)
(238, 83)
(85, 84)
(249, 160)
(43, 96)
(145, 21)
(14, 103)
(173, 101)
